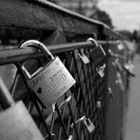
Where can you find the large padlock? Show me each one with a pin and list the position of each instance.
(51, 81)
(15, 121)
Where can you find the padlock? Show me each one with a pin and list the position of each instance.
(15, 122)
(100, 70)
(84, 58)
(97, 45)
(89, 125)
(87, 122)
(51, 81)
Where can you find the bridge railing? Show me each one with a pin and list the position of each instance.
(66, 35)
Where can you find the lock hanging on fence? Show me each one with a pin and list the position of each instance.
(84, 57)
(87, 123)
(15, 122)
(51, 81)
(100, 70)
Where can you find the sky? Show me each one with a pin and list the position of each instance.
(125, 14)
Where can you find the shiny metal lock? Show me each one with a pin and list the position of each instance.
(100, 70)
(51, 81)
(15, 122)
(89, 125)
(84, 58)
(87, 122)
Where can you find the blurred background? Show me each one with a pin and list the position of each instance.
(120, 15)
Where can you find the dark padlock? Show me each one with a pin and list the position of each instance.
(15, 121)
(97, 45)
(51, 81)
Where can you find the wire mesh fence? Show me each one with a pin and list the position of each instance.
(80, 112)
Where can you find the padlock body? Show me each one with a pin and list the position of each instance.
(84, 58)
(17, 124)
(51, 82)
(89, 125)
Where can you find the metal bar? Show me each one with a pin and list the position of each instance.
(8, 56)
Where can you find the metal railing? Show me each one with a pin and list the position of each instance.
(85, 98)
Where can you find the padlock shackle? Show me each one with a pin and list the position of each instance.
(93, 41)
(6, 99)
(39, 45)
(97, 45)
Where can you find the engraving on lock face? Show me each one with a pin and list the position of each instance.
(51, 82)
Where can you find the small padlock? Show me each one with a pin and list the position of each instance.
(15, 122)
(97, 45)
(100, 70)
(89, 125)
(51, 81)
(87, 122)
(84, 58)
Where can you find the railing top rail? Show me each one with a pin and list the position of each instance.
(13, 55)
